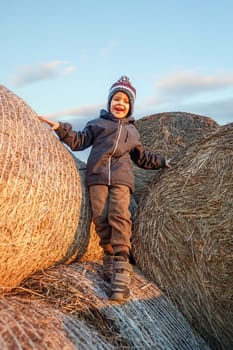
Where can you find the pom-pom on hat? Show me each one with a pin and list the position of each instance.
(124, 85)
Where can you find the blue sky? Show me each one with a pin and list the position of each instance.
(62, 57)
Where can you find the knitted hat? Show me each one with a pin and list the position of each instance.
(124, 85)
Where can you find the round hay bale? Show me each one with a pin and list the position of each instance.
(94, 250)
(26, 324)
(149, 320)
(168, 134)
(31, 325)
(90, 249)
(183, 236)
(41, 197)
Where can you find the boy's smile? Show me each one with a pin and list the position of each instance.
(120, 105)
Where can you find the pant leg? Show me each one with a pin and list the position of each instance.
(99, 197)
(119, 217)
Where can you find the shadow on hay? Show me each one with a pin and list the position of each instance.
(148, 321)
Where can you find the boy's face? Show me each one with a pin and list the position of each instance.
(120, 105)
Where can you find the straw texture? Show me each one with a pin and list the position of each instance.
(168, 134)
(41, 195)
(149, 320)
(183, 235)
(31, 324)
(90, 248)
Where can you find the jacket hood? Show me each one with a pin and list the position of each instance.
(109, 116)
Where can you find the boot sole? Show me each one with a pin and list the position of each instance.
(117, 296)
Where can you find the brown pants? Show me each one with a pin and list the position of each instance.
(111, 216)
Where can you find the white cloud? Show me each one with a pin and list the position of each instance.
(41, 71)
(189, 91)
(221, 110)
(189, 83)
(69, 70)
(90, 111)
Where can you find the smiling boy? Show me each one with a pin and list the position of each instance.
(115, 144)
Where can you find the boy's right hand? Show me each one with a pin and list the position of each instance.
(51, 123)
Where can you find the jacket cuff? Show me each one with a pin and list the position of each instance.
(163, 162)
(61, 131)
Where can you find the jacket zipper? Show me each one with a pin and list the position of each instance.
(114, 150)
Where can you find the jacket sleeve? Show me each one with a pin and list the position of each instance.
(76, 140)
(146, 159)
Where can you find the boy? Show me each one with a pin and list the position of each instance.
(115, 142)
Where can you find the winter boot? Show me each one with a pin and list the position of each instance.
(107, 267)
(120, 279)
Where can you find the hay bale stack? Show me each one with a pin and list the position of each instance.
(183, 235)
(40, 198)
(148, 321)
(168, 134)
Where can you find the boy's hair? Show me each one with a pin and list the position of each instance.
(124, 85)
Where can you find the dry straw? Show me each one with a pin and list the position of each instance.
(31, 324)
(183, 235)
(168, 134)
(41, 196)
(72, 299)
(23, 324)
(90, 248)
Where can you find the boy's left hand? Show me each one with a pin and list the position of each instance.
(53, 125)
